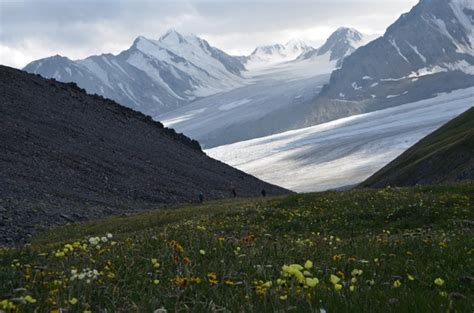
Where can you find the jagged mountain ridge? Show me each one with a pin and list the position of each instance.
(152, 76)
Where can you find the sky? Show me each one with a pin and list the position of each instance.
(34, 29)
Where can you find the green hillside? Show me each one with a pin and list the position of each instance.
(445, 155)
(387, 250)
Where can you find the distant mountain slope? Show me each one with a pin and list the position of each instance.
(445, 155)
(426, 51)
(66, 155)
(152, 76)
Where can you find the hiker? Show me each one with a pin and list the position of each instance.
(264, 193)
(201, 197)
(234, 193)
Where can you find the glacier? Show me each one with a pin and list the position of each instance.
(342, 152)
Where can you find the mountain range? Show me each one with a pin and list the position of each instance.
(158, 76)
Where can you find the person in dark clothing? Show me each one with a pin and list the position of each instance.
(234, 193)
(201, 197)
(264, 193)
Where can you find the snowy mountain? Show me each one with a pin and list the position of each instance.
(283, 88)
(345, 151)
(152, 76)
(340, 44)
(426, 51)
(266, 56)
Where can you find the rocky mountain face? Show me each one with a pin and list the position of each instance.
(428, 50)
(67, 156)
(152, 76)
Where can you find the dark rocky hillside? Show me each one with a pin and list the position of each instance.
(66, 156)
(446, 155)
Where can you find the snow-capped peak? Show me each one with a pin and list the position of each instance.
(264, 56)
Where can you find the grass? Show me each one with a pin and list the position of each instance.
(388, 250)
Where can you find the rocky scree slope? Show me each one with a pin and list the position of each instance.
(67, 156)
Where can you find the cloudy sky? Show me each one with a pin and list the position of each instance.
(33, 29)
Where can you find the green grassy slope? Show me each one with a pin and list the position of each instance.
(445, 155)
(390, 250)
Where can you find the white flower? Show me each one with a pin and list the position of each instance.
(104, 239)
(109, 235)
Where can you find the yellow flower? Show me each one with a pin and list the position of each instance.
(156, 281)
(337, 258)
(352, 288)
(356, 272)
(410, 277)
(202, 252)
(337, 287)
(312, 282)
(229, 282)
(397, 283)
(29, 299)
(284, 297)
(334, 279)
(439, 281)
(280, 281)
(308, 265)
(73, 301)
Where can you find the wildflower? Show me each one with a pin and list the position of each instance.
(308, 265)
(109, 235)
(337, 258)
(312, 282)
(397, 283)
(202, 252)
(94, 240)
(439, 281)
(7, 305)
(155, 263)
(356, 272)
(337, 287)
(29, 299)
(229, 282)
(410, 277)
(352, 288)
(73, 301)
(280, 282)
(59, 254)
(283, 297)
(156, 281)
(334, 279)
(443, 294)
